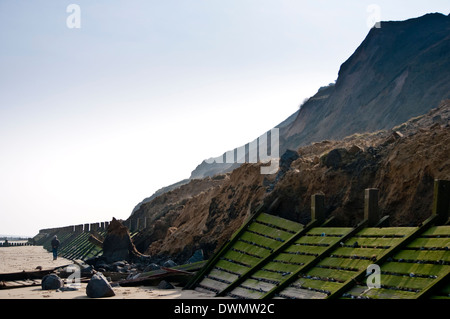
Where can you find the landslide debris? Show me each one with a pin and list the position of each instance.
(402, 162)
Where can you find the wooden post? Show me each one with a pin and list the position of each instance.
(371, 206)
(318, 207)
(94, 226)
(441, 201)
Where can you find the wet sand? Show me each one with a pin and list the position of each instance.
(16, 259)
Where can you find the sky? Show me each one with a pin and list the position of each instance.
(105, 102)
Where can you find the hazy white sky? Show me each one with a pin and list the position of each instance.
(94, 119)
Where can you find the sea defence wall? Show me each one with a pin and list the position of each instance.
(272, 257)
(15, 243)
(133, 224)
(81, 241)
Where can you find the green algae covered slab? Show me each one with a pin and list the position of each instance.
(279, 222)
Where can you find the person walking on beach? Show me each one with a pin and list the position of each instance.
(55, 245)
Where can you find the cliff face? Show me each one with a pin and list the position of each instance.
(399, 71)
(402, 164)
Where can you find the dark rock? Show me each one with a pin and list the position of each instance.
(355, 149)
(437, 119)
(120, 266)
(99, 287)
(287, 158)
(86, 271)
(51, 281)
(121, 263)
(96, 261)
(335, 158)
(143, 259)
(285, 163)
(105, 266)
(165, 285)
(196, 257)
(151, 267)
(169, 263)
(138, 266)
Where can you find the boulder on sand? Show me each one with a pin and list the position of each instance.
(99, 287)
(51, 282)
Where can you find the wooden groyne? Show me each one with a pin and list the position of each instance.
(271, 257)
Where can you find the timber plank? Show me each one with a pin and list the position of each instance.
(405, 281)
(359, 264)
(424, 255)
(317, 240)
(261, 240)
(317, 284)
(373, 241)
(276, 234)
(329, 231)
(415, 268)
(251, 249)
(299, 293)
(280, 267)
(306, 249)
(280, 222)
(247, 293)
(430, 243)
(291, 258)
(269, 275)
(437, 231)
(237, 268)
(340, 275)
(242, 258)
(258, 285)
(386, 231)
(213, 284)
(223, 275)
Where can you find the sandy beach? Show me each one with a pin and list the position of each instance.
(16, 259)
